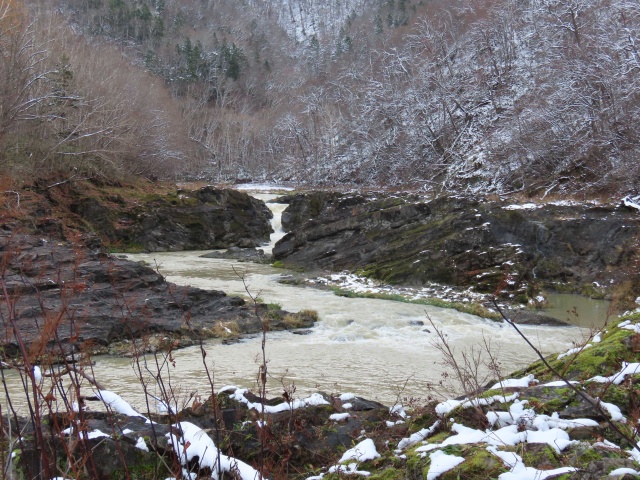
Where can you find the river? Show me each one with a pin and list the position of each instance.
(379, 349)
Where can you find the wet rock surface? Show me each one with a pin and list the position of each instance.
(240, 254)
(406, 239)
(66, 298)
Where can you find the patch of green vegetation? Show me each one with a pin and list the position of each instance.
(144, 469)
(540, 455)
(589, 455)
(420, 421)
(470, 308)
(417, 467)
(300, 319)
(278, 264)
(439, 437)
(604, 358)
(590, 290)
(392, 473)
(229, 329)
(619, 395)
(273, 307)
(480, 464)
(552, 400)
(561, 287)
(453, 450)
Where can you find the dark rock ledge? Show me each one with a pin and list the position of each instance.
(66, 298)
(488, 245)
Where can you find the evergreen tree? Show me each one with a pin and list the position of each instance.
(160, 5)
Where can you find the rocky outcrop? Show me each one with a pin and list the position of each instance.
(304, 207)
(64, 298)
(460, 241)
(241, 254)
(187, 220)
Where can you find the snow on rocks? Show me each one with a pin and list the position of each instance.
(350, 469)
(618, 378)
(418, 436)
(190, 441)
(443, 408)
(523, 206)
(441, 463)
(398, 410)
(365, 450)
(239, 395)
(560, 383)
(571, 351)
(631, 202)
(142, 445)
(520, 472)
(515, 382)
(613, 411)
(116, 403)
(363, 285)
(618, 472)
(338, 417)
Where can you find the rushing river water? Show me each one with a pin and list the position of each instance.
(378, 349)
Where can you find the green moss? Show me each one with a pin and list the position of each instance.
(416, 465)
(273, 307)
(604, 358)
(392, 473)
(589, 290)
(278, 264)
(478, 464)
(453, 450)
(620, 395)
(145, 469)
(470, 308)
(553, 400)
(540, 455)
(588, 456)
(439, 437)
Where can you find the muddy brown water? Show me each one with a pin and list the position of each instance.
(379, 349)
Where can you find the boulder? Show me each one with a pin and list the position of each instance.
(304, 206)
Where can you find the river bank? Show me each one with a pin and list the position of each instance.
(366, 354)
(509, 249)
(527, 425)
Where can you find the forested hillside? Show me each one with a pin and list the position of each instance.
(540, 96)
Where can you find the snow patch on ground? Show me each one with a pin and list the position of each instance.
(441, 463)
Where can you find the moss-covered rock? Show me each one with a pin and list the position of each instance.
(406, 239)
